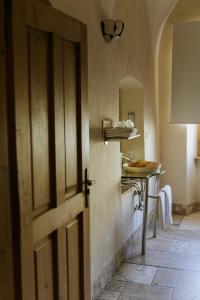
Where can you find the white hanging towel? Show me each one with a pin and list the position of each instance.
(161, 210)
(168, 204)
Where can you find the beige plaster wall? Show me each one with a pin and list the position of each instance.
(192, 173)
(173, 137)
(107, 65)
(185, 104)
(158, 12)
(107, 8)
(132, 100)
(177, 142)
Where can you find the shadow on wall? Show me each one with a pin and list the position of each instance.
(131, 106)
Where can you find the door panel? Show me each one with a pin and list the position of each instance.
(52, 151)
(73, 255)
(71, 134)
(39, 85)
(44, 270)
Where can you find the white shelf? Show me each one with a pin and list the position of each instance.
(117, 134)
(120, 138)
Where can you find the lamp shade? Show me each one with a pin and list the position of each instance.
(185, 100)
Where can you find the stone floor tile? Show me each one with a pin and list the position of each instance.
(159, 244)
(165, 277)
(167, 233)
(187, 286)
(144, 292)
(177, 234)
(188, 247)
(190, 223)
(168, 260)
(116, 285)
(172, 250)
(128, 297)
(187, 235)
(109, 295)
(134, 249)
(136, 273)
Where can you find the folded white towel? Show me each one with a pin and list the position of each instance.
(168, 204)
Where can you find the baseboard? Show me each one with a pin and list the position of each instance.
(110, 269)
(184, 210)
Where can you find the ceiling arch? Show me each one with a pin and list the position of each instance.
(130, 83)
(185, 10)
(158, 12)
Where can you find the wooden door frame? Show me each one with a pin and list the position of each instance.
(6, 251)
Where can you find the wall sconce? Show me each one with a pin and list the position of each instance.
(111, 29)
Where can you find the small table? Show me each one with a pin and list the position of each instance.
(143, 178)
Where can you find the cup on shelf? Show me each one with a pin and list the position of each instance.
(129, 124)
(125, 124)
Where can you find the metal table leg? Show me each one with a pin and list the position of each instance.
(145, 213)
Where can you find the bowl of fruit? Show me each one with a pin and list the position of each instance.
(141, 166)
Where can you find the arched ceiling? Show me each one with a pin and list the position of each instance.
(171, 11)
(158, 11)
(185, 10)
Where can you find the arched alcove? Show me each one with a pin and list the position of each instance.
(177, 141)
(131, 106)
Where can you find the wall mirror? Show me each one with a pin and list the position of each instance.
(131, 105)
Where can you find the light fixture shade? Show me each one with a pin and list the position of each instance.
(185, 100)
(111, 29)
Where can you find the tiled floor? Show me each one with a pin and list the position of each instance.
(170, 270)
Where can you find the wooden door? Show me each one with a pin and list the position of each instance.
(49, 52)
